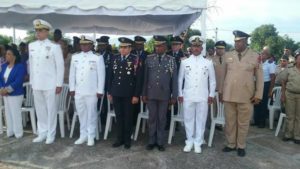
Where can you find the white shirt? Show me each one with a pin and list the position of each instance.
(46, 65)
(268, 69)
(87, 74)
(198, 75)
(6, 73)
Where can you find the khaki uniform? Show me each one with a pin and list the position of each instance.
(292, 92)
(217, 61)
(238, 86)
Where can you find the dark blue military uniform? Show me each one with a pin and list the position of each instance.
(124, 82)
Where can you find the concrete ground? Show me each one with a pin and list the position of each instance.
(264, 151)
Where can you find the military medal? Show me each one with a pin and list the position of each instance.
(128, 72)
(129, 63)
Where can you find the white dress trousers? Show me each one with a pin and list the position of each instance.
(13, 115)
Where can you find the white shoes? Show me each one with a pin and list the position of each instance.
(39, 139)
(91, 142)
(50, 140)
(188, 148)
(81, 140)
(197, 149)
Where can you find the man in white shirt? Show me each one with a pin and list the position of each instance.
(46, 67)
(261, 110)
(198, 76)
(86, 80)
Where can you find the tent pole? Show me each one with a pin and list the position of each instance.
(203, 28)
(14, 34)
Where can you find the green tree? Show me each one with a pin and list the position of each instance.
(210, 44)
(263, 34)
(4, 40)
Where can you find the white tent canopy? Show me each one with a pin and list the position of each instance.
(131, 17)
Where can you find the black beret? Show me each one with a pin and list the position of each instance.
(297, 52)
(285, 57)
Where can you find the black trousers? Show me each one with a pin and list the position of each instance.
(261, 110)
(124, 110)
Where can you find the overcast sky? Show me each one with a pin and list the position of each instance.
(245, 15)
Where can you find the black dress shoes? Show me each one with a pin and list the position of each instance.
(228, 149)
(241, 152)
(117, 144)
(161, 148)
(150, 147)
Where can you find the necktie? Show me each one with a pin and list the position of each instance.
(240, 56)
(122, 58)
(159, 58)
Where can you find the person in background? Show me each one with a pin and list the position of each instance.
(11, 88)
(288, 52)
(290, 95)
(280, 68)
(67, 59)
(57, 35)
(261, 109)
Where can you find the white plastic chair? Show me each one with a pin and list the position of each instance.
(63, 104)
(142, 115)
(28, 106)
(219, 119)
(110, 115)
(74, 119)
(276, 105)
(175, 118)
(281, 118)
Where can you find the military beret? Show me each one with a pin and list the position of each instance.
(139, 40)
(41, 24)
(176, 40)
(220, 44)
(238, 35)
(284, 57)
(297, 52)
(158, 40)
(103, 40)
(196, 40)
(86, 40)
(125, 41)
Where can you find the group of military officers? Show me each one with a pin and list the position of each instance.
(160, 78)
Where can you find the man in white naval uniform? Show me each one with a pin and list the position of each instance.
(86, 80)
(46, 67)
(198, 76)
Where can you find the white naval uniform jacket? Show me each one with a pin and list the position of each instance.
(46, 65)
(198, 76)
(87, 74)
